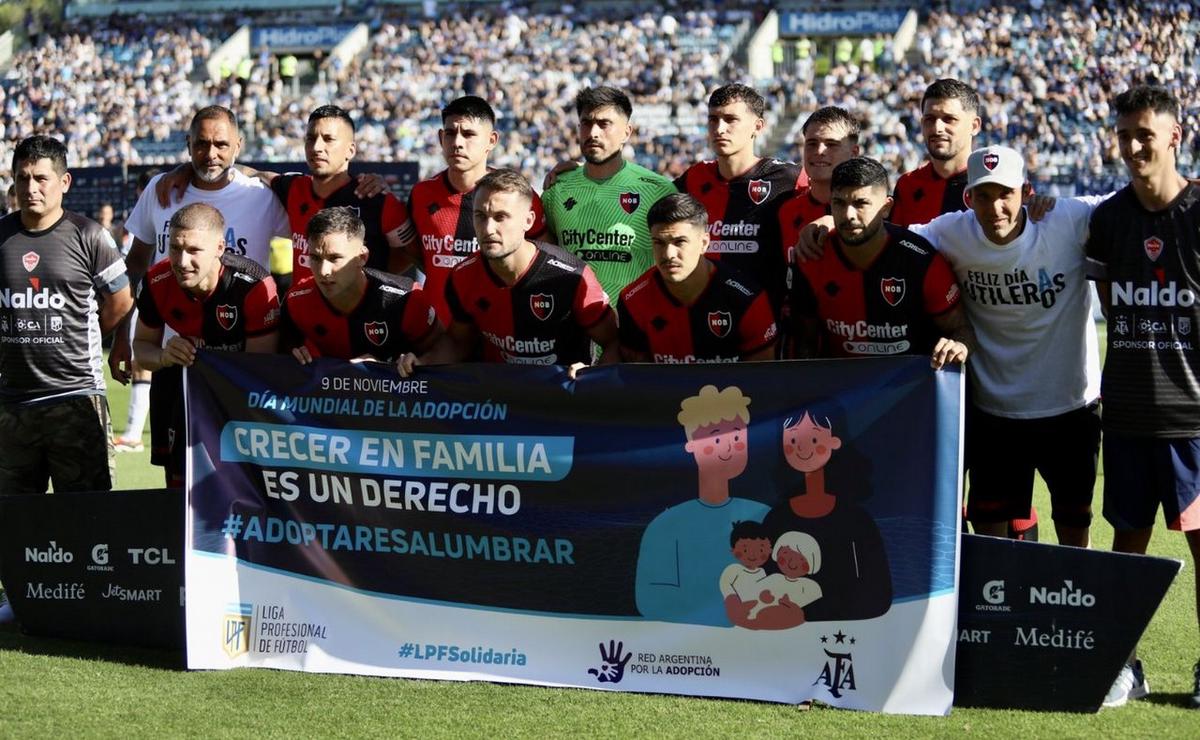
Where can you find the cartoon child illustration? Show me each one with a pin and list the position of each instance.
(751, 548)
(854, 580)
(797, 554)
(684, 550)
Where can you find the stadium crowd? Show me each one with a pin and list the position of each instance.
(119, 89)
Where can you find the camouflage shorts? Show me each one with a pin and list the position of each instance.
(68, 442)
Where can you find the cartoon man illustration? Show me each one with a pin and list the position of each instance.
(854, 581)
(684, 550)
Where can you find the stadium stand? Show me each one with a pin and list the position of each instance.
(120, 88)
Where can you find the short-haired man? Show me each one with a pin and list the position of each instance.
(252, 213)
(1035, 373)
(743, 191)
(441, 207)
(347, 310)
(530, 303)
(65, 286)
(878, 289)
(211, 299)
(598, 212)
(949, 122)
(1144, 251)
(688, 308)
(830, 137)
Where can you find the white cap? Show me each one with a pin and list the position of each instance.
(998, 164)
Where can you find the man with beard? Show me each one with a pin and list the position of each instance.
(598, 212)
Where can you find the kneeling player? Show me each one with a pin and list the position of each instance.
(348, 311)
(210, 299)
(878, 289)
(688, 308)
(533, 303)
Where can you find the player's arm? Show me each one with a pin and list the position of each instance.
(595, 316)
(604, 334)
(114, 309)
(957, 340)
(758, 331)
(401, 234)
(443, 348)
(151, 354)
(633, 343)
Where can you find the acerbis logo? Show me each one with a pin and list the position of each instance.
(1068, 595)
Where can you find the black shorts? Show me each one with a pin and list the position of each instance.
(1140, 473)
(1005, 452)
(167, 431)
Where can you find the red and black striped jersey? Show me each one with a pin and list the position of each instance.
(884, 309)
(445, 232)
(392, 318)
(243, 304)
(731, 319)
(743, 216)
(542, 319)
(382, 214)
(922, 195)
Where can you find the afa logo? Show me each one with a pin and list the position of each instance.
(892, 289)
(630, 202)
(542, 305)
(235, 629)
(837, 676)
(759, 191)
(1153, 247)
(227, 316)
(377, 332)
(720, 323)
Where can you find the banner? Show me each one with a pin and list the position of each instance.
(841, 22)
(777, 531)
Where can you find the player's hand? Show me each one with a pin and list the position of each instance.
(948, 352)
(811, 244)
(552, 175)
(120, 359)
(573, 370)
(302, 355)
(178, 351)
(172, 185)
(407, 364)
(369, 185)
(1038, 206)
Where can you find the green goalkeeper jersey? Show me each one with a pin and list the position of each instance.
(604, 222)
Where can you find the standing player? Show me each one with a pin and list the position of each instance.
(65, 286)
(1035, 374)
(878, 289)
(830, 137)
(598, 212)
(347, 310)
(742, 191)
(211, 299)
(687, 308)
(441, 207)
(949, 122)
(1144, 251)
(530, 303)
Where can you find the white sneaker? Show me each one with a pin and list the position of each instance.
(1130, 684)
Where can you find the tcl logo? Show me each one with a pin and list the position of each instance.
(150, 556)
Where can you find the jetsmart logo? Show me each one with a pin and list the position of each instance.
(1068, 595)
(1129, 294)
(29, 298)
(52, 554)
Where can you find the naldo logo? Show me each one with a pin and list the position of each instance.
(1068, 595)
(51, 554)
